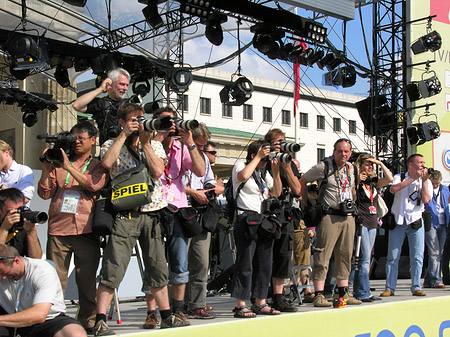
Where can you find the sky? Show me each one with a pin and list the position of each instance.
(198, 50)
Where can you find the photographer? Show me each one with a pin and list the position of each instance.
(15, 231)
(104, 109)
(336, 231)
(367, 207)
(73, 185)
(283, 247)
(204, 201)
(253, 266)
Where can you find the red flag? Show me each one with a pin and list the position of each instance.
(297, 79)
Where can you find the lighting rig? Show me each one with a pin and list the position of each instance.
(420, 133)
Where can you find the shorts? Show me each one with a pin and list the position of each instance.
(47, 329)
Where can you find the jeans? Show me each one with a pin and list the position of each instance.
(361, 287)
(416, 241)
(435, 240)
(178, 257)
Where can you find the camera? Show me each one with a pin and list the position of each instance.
(211, 195)
(113, 131)
(289, 147)
(161, 123)
(270, 206)
(62, 140)
(347, 206)
(33, 216)
(430, 170)
(189, 124)
(281, 157)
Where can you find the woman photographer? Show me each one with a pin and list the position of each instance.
(253, 266)
(367, 207)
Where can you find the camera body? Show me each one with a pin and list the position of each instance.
(33, 216)
(270, 206)
(62, 140)
(430, 170)
(211, 195)
(347, 206)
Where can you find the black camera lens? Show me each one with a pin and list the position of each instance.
(430, 170)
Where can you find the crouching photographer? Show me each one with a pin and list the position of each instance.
(18, 223)
(253, 268)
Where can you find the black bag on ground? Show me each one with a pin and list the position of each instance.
(189, 222)
(103, 217)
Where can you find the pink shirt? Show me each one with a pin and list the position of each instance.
(178, 161)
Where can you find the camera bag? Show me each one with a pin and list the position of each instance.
(103, 217)
(189, 222)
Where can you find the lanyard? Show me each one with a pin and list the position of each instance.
(84, 170)
(367, 187)
(169, 164)
(338, 178)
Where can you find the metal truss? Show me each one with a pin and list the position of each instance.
(389, 79)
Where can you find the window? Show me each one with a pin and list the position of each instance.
(303, 120)
(285, 117)
(227, 110)
(352, 127)
(183, 102)
(320, 154)
(337, 124)
(267, 115)
(320, 122)
(248, 112)
(205, 106)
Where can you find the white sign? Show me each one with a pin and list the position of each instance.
(447, 78)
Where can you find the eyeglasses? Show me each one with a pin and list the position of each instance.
(211, 152)
(6, 257)
(83, 139)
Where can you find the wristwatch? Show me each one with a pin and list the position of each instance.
(191, 147)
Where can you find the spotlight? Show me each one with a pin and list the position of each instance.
(266, 37)
(424, 88)
(432, 41)
(200, 8)
(423, 132)
(314, 31)
(29, 117)
(318, 55)
(213, 30)
(344, 76)
(62, 76)
(26, 53)
(77, 3)
(380, 112)
(19, 74)
(151, 14)
(6, 96)
(180, 79)
(238, 92)
(81, 64)
(286, 51)
(305, 56)
(326, 60)
(296, 51)
(139, 92)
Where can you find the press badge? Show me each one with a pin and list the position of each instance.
(70, 202)
(345, 196)
(170, 196)
(372, 210)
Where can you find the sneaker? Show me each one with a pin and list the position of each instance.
(284, 306)
(151, 322)
(102, 329)
(173, 321)
(320, 301)
(349, 300)
(200, 314)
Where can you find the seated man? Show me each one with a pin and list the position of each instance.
(37, 307)
(22, 236)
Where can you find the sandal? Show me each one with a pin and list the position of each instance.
(259, 310)
(243, 312)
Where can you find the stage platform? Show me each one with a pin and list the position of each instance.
(401, 315)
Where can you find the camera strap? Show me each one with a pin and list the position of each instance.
(84, 170)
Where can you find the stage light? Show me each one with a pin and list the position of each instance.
(26, 53)
(213, 30)
(423, 132)
(317, 56)
(139, 92)
(296, 51)
(303, 58)
(344, 76)
(19, 74)
(286, 51)
(424, 88)
(62, 76)
(200, 8)
(6, 96)
(380, 112)
(325, 60)
(432, 41)
(29, 117)
(238, 92)
(180, 79)
(151, 14)
(314, 31)
(267, 37)
(81, 64)
(77, 3)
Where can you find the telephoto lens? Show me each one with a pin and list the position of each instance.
(281, 157)
(289, 147)
(189, 124)
(160, 123)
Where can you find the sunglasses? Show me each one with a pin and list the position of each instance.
(211, 152)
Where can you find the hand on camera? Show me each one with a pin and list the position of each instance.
(11, 218)
(65, 164)
(46, 166)
(186, 137)
(200, 196)
(28, 225)
(263, 152)
(132, 125)
(144, 136)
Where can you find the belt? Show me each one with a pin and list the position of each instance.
(333, 211)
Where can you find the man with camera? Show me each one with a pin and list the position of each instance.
(336, 231)
(104, 109)
(16, 230)
(202, 192)
(73, 185)
(13, 174)
(411, 193)
(182, 155)
(31, 299)
(143, 223)
(282, 248)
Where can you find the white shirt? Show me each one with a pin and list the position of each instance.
(250, 196)
(39, 284)
(404, 208)
(20, 177)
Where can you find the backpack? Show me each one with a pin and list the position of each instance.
(231, 207)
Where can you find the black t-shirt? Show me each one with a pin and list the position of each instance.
(369, 220)
(104, 111)
(20, 242)
(284, 180)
